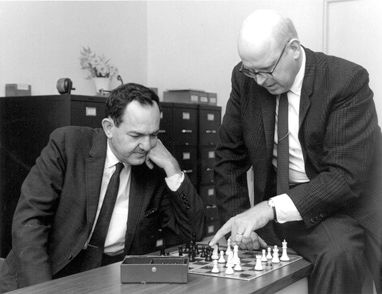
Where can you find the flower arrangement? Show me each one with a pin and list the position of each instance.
(98, 66)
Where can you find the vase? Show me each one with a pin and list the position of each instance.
(102, 85)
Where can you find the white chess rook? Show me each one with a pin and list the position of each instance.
(259, 264)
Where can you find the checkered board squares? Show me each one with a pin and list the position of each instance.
(247, 262)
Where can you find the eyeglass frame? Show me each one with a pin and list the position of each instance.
(265, 74)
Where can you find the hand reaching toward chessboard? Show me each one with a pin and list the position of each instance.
(243, 225)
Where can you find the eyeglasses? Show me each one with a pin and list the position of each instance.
(264, 74)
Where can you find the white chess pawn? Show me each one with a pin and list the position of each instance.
(238, 267)
(235, 258)
(284, 255)
(264, 255)
(269, 255)
(215, 254)
(258, 265)
(221, 259)
(229, 270)
(215, 268)
(275, 257)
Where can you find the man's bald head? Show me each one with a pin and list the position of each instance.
(263, 32)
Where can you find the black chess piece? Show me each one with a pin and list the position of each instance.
(180, 250)
(203, 252)
(191, 256)
(208, 254)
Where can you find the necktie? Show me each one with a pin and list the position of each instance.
(282, 146)
(102, 226)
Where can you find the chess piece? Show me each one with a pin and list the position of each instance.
(228, 247)
(284, 255)
(275, 257)
(229, 270)
(269, 254)
(237, 267)
(215, 254)
(230, 259)
(235, 258)
(264, 255)
(208, 254)
(221, 259)
(191, 256)
(215, 268)
(259, 264)
(180, 250)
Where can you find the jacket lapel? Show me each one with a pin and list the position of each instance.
(94, 171)
(307, 86)
(139, 189)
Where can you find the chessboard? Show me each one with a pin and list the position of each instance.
(247, 261)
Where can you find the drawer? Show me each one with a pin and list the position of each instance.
(211, 212)
(207, 157)
(87, 113)
(186, 156)
(209, 122)
(206, 175)
(207, 192)
(211, 227)
(185, 126)
(166, 131)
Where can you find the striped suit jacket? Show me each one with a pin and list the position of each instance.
(339, 135)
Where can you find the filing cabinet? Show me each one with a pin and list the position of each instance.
(193, 130)
(25, 125)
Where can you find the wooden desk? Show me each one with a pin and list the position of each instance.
(107, 280)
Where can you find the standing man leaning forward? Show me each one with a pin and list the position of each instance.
(329, 210)
(62, 196)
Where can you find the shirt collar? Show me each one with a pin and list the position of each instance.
(111, 159)
(297, 84)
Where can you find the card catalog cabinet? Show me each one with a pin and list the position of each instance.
(25, 125)
(190, 132)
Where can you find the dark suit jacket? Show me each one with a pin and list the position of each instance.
(59, 199)
(339, 136)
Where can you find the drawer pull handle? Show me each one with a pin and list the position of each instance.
(186, 131)
(211, 131)
(188, 171)
(162, 131)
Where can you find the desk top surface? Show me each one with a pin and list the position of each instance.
(107, 280)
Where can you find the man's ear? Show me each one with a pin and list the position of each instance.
(108, 125)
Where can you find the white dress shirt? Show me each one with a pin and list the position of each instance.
(115, 238)
(285, 209)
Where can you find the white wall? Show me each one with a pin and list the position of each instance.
(192, 44)
(40, 42)
(360, 40)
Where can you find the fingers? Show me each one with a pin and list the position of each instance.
(149, 163)
(263, 244)
(225, 229)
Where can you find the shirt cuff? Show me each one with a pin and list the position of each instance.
(174, 182)
(286, 211)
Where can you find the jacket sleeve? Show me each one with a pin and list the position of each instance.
(231, 158)
(183, 213)
(34, 213)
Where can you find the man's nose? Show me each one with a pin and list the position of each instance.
(260, 80)
(147, 143)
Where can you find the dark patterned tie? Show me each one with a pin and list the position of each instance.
(283, 146)
(103, 221)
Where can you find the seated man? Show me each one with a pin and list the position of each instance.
(96, 195)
